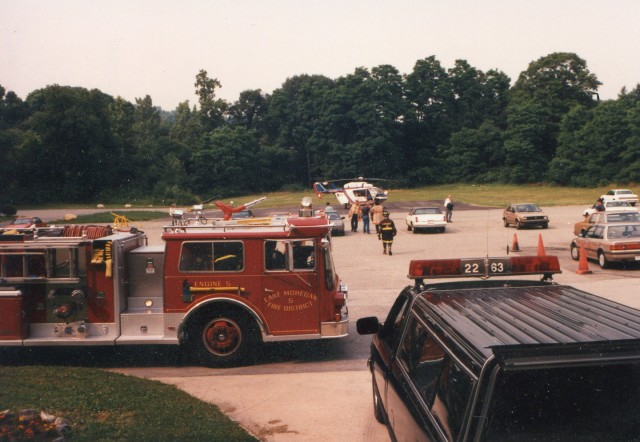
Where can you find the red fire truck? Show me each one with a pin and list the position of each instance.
(219, 290)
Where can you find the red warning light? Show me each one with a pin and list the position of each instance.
(483, 267)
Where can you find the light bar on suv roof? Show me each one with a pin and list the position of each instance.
(483, 267)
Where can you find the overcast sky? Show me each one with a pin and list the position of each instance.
(154, 47)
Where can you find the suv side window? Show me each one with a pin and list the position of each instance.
(392, 327)
(444, 386)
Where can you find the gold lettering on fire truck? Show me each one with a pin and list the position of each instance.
(212, 284)
(290, 300)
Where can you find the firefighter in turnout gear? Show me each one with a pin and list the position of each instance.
(387, 232)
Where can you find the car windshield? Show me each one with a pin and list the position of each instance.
(527, 208)
(624, 231)
(23, 221)
(333, 215)
(618, 204)
(427, 211)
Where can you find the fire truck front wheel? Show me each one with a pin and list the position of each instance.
(225, 339)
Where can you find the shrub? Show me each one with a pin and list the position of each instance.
(8, 209)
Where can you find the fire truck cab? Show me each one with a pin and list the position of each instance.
(218, 290)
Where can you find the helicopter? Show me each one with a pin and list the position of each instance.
(353, 190)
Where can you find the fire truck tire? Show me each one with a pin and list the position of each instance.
(225, 339)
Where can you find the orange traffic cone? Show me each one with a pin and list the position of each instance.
(514, 246)
(583, 264)
(541, 251)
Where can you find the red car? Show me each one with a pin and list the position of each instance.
(25, 223)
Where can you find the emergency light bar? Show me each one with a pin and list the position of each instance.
(483, 267)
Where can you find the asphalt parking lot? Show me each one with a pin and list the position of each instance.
(322, 391)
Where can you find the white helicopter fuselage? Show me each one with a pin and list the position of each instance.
(360, 191)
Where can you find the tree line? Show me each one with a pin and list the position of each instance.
(430, 126)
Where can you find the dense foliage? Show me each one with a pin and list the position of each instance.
(430, 126)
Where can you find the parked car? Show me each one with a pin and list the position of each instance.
(612, 205)
(524, 215)
(504, 360)
(426, 218)
(24, 224)
(621, 195)
(605, 217)
(337, 223)
(609, 242)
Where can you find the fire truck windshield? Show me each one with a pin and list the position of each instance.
(329, 273)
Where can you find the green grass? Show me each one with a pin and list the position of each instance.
(493, 195)
(104, 406)
(108, 217)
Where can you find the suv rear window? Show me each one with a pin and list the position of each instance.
(559, 404)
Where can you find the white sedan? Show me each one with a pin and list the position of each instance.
(621, 195)
(426, 218)
(618, 206)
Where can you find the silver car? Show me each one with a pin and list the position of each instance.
(609, 242)
(336, 221)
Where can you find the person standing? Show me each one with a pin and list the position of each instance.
(354, 214)
(376, 215)
(599, 206)
(448, 206)
(365, 211)
(387, 231)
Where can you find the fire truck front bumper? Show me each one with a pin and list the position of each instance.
(334, 329)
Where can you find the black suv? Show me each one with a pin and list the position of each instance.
(497, 360)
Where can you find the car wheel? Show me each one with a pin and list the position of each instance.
(545, 225)
(518, 224)
(575, 252)
(378, 411)
(442, 229)
(409, 227)
(506, 223)
(602, 260)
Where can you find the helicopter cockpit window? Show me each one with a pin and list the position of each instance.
(361, 193)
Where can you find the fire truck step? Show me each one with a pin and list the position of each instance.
(142, 324)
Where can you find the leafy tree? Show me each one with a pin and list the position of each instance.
(428, 124)
(596, 145)
(293, 115)
(186, 127)
(364, 117)
(528, 130)
(250, 110)
(559, 81)
(212, 110)
(69, 145)
(474, 154)
(574, 162)
(13, 112)
(228, 163)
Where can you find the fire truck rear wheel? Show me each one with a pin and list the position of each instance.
(225, 339)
